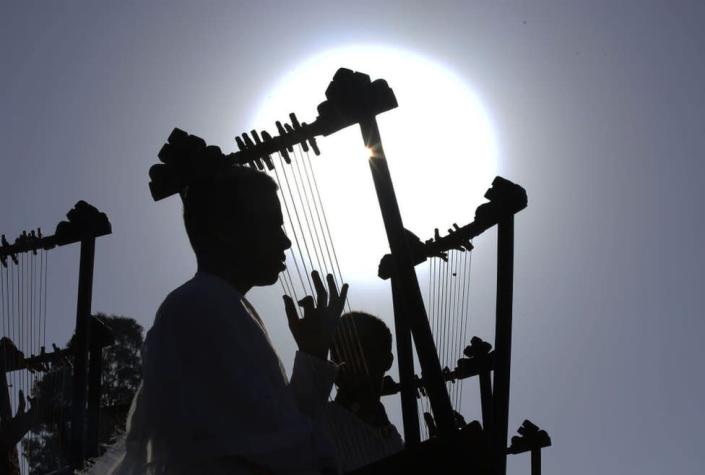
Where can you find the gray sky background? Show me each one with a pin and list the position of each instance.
(599, 109)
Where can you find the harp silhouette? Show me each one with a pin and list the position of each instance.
(352, 98)
(23, 273)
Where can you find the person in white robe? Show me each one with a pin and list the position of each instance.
(215, 398)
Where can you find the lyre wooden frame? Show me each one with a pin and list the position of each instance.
(352, 98)
(85, 223)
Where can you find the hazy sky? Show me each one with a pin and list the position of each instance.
(599, 109)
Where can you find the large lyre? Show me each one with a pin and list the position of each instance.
(23, 288)
(352, 98)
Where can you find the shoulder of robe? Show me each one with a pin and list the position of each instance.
(193, 306)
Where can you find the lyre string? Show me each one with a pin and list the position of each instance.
(453, 281)
(455, 355)
(297, 232)
(311, 233)
(350, 337)
(46, 271)
(316, 236)
(458, 277)
(327, 233)
(306, 211)
(445, 298)
(21, 315)
(448, 309)
(350, 334)
(465, 312)
(354, 335)
(308, 236)
(292, 223)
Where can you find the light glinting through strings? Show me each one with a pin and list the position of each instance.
(350, 334)
(318, 205)
(306, 211)
(324, 222)
(309, 235)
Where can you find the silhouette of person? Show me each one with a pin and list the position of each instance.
(215, 398)
(356, 420)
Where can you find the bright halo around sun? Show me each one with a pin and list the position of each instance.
(439, 144)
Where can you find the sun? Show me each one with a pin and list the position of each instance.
(439, 143)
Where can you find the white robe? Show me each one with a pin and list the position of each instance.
(215, 398)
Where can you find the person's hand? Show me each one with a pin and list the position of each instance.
(314, 332)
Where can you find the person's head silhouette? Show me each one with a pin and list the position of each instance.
(235, 225)
(362, 336)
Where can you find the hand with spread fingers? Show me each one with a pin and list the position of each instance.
(315, 330)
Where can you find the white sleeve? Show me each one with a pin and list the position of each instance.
(311, 383)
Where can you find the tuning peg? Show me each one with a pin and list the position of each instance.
(33, 237)
(267, 138)
(240, 144)
(295, 124)
(282, 131)
(265, 158)
(289, 130)
(312, 142)
(248, 144)
(314, 145)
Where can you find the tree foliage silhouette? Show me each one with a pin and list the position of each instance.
(46, 447)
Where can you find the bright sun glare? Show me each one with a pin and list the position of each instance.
(439, 144)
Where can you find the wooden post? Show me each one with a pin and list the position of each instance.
(503, 341)
(95, 369)
(408, 284)
(83, 312)
(405, 362)
(536, 461)
(486, 398)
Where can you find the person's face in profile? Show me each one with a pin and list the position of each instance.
(259, 241)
